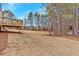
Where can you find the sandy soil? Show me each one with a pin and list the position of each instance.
(33, 43)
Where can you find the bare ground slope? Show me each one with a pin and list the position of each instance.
(39, 43)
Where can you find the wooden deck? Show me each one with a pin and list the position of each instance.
(7, 22)
(5, 25)
(20, 28)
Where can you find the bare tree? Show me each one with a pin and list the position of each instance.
(37, 17)
(75, 20)
(30, 19)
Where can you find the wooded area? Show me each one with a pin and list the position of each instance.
(60, 19)
(63, 18)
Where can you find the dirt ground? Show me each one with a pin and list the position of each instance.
(36, 43)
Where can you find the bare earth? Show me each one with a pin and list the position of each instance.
(35, 43)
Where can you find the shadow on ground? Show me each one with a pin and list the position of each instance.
(13, 32)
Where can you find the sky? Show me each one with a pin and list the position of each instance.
(21, 10)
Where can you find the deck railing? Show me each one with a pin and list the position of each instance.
(7, 22)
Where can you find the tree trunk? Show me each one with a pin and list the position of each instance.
(75, 20)
(49, 25)
(59, 20)
(25, 22)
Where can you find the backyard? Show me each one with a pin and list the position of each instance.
(42, 29)
(38, 43)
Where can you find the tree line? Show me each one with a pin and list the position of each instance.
(62, 16)
(37, 21)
